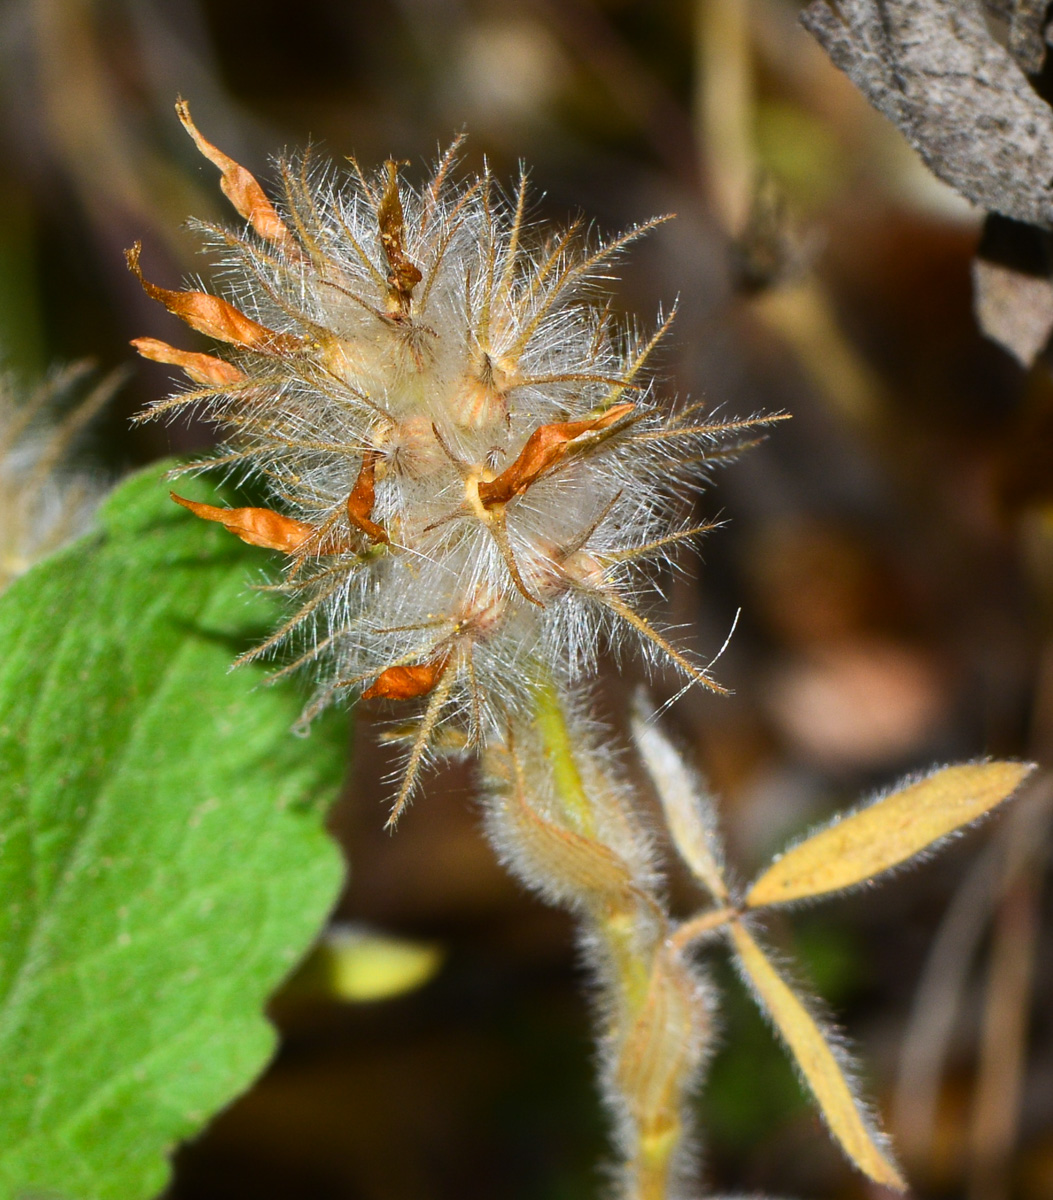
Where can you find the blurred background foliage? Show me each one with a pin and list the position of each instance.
(891, 549)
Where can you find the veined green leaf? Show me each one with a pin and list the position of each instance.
(163, 861)
(887, 832)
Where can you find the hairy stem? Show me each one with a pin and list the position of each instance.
(565, 824)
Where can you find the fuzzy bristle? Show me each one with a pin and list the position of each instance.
(438, 395)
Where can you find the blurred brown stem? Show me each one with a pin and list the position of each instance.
(724, 108)
(999, 1088)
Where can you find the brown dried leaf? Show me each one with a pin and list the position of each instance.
(887, 832)
(933, 68)
(545, 447)
(407, 683)
(240, 187)
(257, 526)
(405, 274)
(816, 1060)
(214, 317)
(202, 368)
(1013, 286)
(362, 497)
(1027, 21)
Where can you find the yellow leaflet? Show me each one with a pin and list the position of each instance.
(687, 809)
(816, 1061)
(888, 832)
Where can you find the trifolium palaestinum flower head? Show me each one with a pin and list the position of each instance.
(466, 458)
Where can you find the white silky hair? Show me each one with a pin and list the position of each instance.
(47, 499)
(504, 338)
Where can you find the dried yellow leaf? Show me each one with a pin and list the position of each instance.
(817, 1062)
(360, 965)
(688, 808)
(887, 832)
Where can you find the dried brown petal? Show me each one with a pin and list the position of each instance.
(407, 683)
(202, 368)
(544, 448)
(257, 526)
(405, 274)
(360, 502)
(214, 317)
(240, 187)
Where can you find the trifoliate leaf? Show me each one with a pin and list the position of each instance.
(887, 832)
(163, 861)
(817, 1061)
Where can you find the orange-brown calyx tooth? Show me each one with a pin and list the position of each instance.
(363, 495)
(545, 447)
(214, 317)
(202, 368)
(257, 526)
(407, 683)
(241, 188)
(404, 274)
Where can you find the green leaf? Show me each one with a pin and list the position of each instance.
(163, 858)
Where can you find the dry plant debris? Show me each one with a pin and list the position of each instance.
(933, 68)
(970, 108)
(45, 499)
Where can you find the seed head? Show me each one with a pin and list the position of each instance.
(467, 463)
